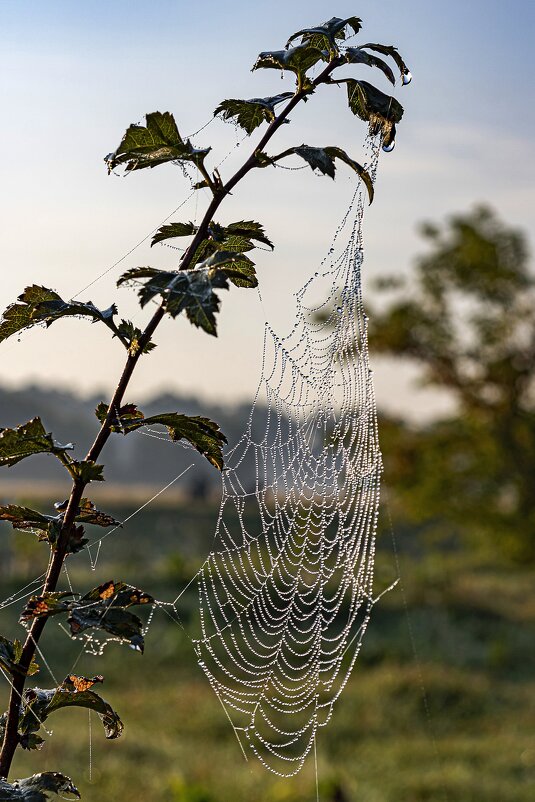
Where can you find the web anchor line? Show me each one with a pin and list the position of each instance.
(286, 592)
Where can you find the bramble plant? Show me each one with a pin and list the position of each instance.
(215, 258)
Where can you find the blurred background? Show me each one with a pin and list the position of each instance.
(441, 703)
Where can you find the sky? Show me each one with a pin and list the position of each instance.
(75, 75)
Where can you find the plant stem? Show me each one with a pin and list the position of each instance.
(58, 555)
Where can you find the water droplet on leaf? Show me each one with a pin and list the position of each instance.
(339, 309)
(406, 78)
(389, 148)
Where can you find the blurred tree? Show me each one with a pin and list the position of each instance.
(467, 318)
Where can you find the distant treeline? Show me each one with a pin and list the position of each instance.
(134, 459)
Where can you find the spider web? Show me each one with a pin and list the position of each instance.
(286, 593)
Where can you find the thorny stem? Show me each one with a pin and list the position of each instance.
(59, 553)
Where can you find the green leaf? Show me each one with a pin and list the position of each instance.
(202, 433)
(237, 267)
(87, 513)
(158, 283)
(325, 36)
(87, 471)
(37, 788)
(46, 527)
(297, 59)
(323, 159)
(389, 50)
(31, 741)
(49, 604)
(381, 111)
(356, 55)
(10, 654)
(368, 102)
(73, 692)
(25, 518)
(250, 114)
(187, 291)
(40, 305)
(174, 230)
(27, 439)
(237, 236)
(156, 143)
(250, 230)
(129, 336)
(103, 607)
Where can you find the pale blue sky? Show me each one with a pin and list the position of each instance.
(75, 75)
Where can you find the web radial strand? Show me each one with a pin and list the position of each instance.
(286, 593)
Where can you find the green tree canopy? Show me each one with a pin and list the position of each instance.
(467, 317)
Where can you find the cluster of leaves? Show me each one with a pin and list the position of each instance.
(105, 607)
(219, 259)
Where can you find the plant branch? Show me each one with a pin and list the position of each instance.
(59, 553)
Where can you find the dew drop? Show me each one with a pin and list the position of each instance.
(389, 148)
(406, 78)
(339, 309)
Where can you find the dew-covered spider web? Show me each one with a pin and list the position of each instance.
(286, 593)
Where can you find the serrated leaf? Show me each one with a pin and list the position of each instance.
(87, 513)
(202, 433)
(118, 622)
(25, 518)
(39, 704)
(152, 144)
(188, 291)
(113, 593)
(10, 654)
(297, 59)
(87, 471)
(28, 439)
(37, 788)
(250, 230)
(323, 159)
(47, 605)
(368, 102)
(129, 335)
(103, 608)
(46, 527)
(389, 50)
(40, 305)
(356, 55)
(249, 114)
(157, 284)
(31, 741)
(174, 230)
(325, 36)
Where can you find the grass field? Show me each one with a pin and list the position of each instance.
(441, 705)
